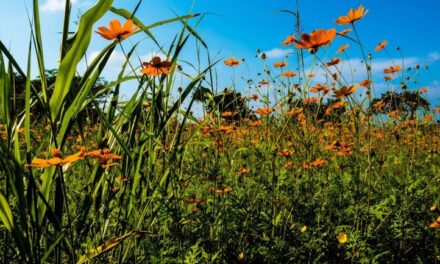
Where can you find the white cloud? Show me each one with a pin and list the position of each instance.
(55, 5)
(435, 56)
(278, 53)
(116, 59)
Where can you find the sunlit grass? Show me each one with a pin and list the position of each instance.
(305, 165)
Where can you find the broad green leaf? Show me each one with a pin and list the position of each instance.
(79, 47)
(6, 213)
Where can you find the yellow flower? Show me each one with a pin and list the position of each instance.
(303, 229)
(342, 238)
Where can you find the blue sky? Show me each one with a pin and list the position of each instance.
(239, 27)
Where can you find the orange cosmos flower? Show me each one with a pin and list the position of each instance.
(317, 163)
(263, 111)
(116, 31)
(243, 170)
(157, 67)
(436, 223)
(280, 64)
(316, 39)
(340, 148)
(232, 62)
(255, 97)
(226, 129)
(256, 123)
(221, 190)
(423, 90)
(342, 48)
(295, 111)
(365, 83)
(344, 91)
(103, 155)
(344, 32)
(320, 88)
(289, 40)
(333, 62)
(381, 45)
(334, 106)
(392, 69)
(56, 160)
(352, 16)
(263, 82)
(289, 74)
(379, 104)
(227, 114)
(310, 100)
(285, 153)
(388, 77)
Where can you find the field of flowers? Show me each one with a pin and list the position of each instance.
(288, 170)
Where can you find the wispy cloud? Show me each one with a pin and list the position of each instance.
(278, 53)
(55, 5)
(355, 68)
(435, 56)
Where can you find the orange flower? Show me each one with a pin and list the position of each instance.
(280, 64)
(365, 83)
(311, 75)
(392, 69)
(226, 129)
(317, 163)
(263, 111)
(289, 74)
(285, 153)
(436, 223)
(232, 62)
(344, 91)
(243, 170)
(388, 77)
(342, 48)
(310, 100)
(255, 123)
(316, 39)
(263, 82)
(116, 31)
(352, 16)
(340, 148)
(333, 62)
(56, 160)
(344, 32)
(423, 90)
(157, 67)
(103, 155)
(227, 114)
(334, 106)
(221, 190)
(320, 88)
(255, 97)
(289, 40)
(381, 45)
(379, 104)
(295, 111)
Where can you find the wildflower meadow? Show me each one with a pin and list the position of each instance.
(324, 154)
